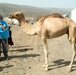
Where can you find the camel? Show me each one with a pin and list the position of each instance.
(48, 27)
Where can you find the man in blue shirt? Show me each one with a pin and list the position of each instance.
(4, 34)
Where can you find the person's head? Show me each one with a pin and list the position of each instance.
(1, 18)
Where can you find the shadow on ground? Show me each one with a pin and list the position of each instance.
(22, 50)
(8, 66)
(61, 63)
(24, 56)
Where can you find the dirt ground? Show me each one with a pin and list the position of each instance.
(27, 55)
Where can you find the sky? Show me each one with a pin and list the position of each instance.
(44, 3)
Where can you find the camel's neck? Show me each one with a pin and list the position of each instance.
(22, 21)
(27, 28)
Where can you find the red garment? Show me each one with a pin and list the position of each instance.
(10, 42)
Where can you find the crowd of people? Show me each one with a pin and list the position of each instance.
(5, 38)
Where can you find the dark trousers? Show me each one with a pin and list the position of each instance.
(3, 47)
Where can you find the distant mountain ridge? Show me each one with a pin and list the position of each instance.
(30, 11)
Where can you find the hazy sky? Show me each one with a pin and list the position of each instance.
(44, 3)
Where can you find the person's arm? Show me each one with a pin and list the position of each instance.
(3, 27)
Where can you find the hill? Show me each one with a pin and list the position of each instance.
(30, 11)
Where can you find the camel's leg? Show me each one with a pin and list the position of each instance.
(74, 54)
(44, 40)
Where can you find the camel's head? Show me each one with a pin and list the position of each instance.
(17, 15)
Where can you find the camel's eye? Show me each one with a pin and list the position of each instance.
(16, 14)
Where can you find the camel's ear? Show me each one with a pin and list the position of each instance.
(20, 12)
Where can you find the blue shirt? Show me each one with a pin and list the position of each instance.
(4, 33)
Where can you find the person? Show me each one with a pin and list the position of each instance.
(10, 41)
(4, 34)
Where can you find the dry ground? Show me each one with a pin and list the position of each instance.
(27, 56)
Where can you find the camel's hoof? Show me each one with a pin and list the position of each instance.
(46, 69)
(69, 69)
(44, 66)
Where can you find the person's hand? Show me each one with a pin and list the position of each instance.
(0, 24)
(3, 27)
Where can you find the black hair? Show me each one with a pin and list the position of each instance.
(1, 17)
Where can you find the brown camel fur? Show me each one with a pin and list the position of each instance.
(49, 27)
